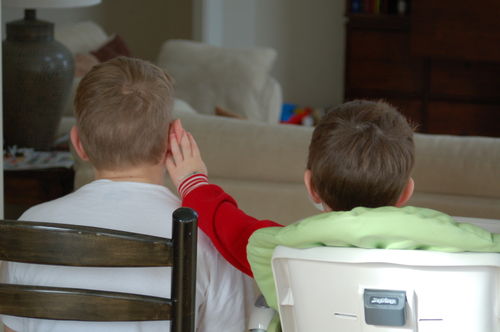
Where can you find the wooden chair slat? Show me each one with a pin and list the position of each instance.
(81, 304)
(60, 244)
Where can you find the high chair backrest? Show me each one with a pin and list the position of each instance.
(70, 245)
(352, 290)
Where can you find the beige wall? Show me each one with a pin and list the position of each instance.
(146, 24)
(308, 36)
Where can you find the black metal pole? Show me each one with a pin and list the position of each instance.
(184, 237)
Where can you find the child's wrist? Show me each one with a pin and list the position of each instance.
(191, 182)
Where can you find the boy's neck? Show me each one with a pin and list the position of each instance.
(154, 174)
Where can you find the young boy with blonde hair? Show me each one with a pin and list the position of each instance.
(358, 171)
(123, 111)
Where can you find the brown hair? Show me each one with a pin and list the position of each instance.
(123, 110)
(361, 154)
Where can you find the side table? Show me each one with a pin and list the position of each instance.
(25, 188)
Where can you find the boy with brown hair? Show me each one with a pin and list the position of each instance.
(358, 171)
(123, 110)
(361, 154)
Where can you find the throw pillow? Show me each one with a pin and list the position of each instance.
(207, 76)
(114, 47)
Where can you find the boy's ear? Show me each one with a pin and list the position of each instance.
(77, 144)
(406, 194)
(310, 189)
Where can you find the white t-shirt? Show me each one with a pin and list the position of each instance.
(134, 207)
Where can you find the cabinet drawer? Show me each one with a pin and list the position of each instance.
(379, 45)
(463, 119)
(389, 76)
(410, 108)
(465, 80)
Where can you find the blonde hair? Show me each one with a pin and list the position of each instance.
(123, 110)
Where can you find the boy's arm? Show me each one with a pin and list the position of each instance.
(228, 227)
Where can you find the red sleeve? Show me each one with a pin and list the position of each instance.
(228, 227)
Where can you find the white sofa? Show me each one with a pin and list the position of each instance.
(261, 164)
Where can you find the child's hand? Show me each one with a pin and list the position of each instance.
(183, 158)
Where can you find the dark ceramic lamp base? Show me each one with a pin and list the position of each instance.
(38, 75)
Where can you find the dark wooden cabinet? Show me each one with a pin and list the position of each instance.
(461, 29)
(25, 188)
(439, 68)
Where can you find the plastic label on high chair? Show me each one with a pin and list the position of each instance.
(385, 307)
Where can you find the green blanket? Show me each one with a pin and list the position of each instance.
(382, 228)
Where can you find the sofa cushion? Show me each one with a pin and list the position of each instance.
(459, 165)
(208, 76)
(458, 175)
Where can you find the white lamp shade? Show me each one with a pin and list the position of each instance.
(36, 4)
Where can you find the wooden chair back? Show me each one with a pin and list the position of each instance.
(71, 245)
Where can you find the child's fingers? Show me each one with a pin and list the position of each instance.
(177, 129)
(185, 145)
(180, 130)
(175, 150)
(194, 146)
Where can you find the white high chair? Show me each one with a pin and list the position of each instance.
(376, 290)
(352, 289)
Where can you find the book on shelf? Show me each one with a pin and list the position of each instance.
(379, 6)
